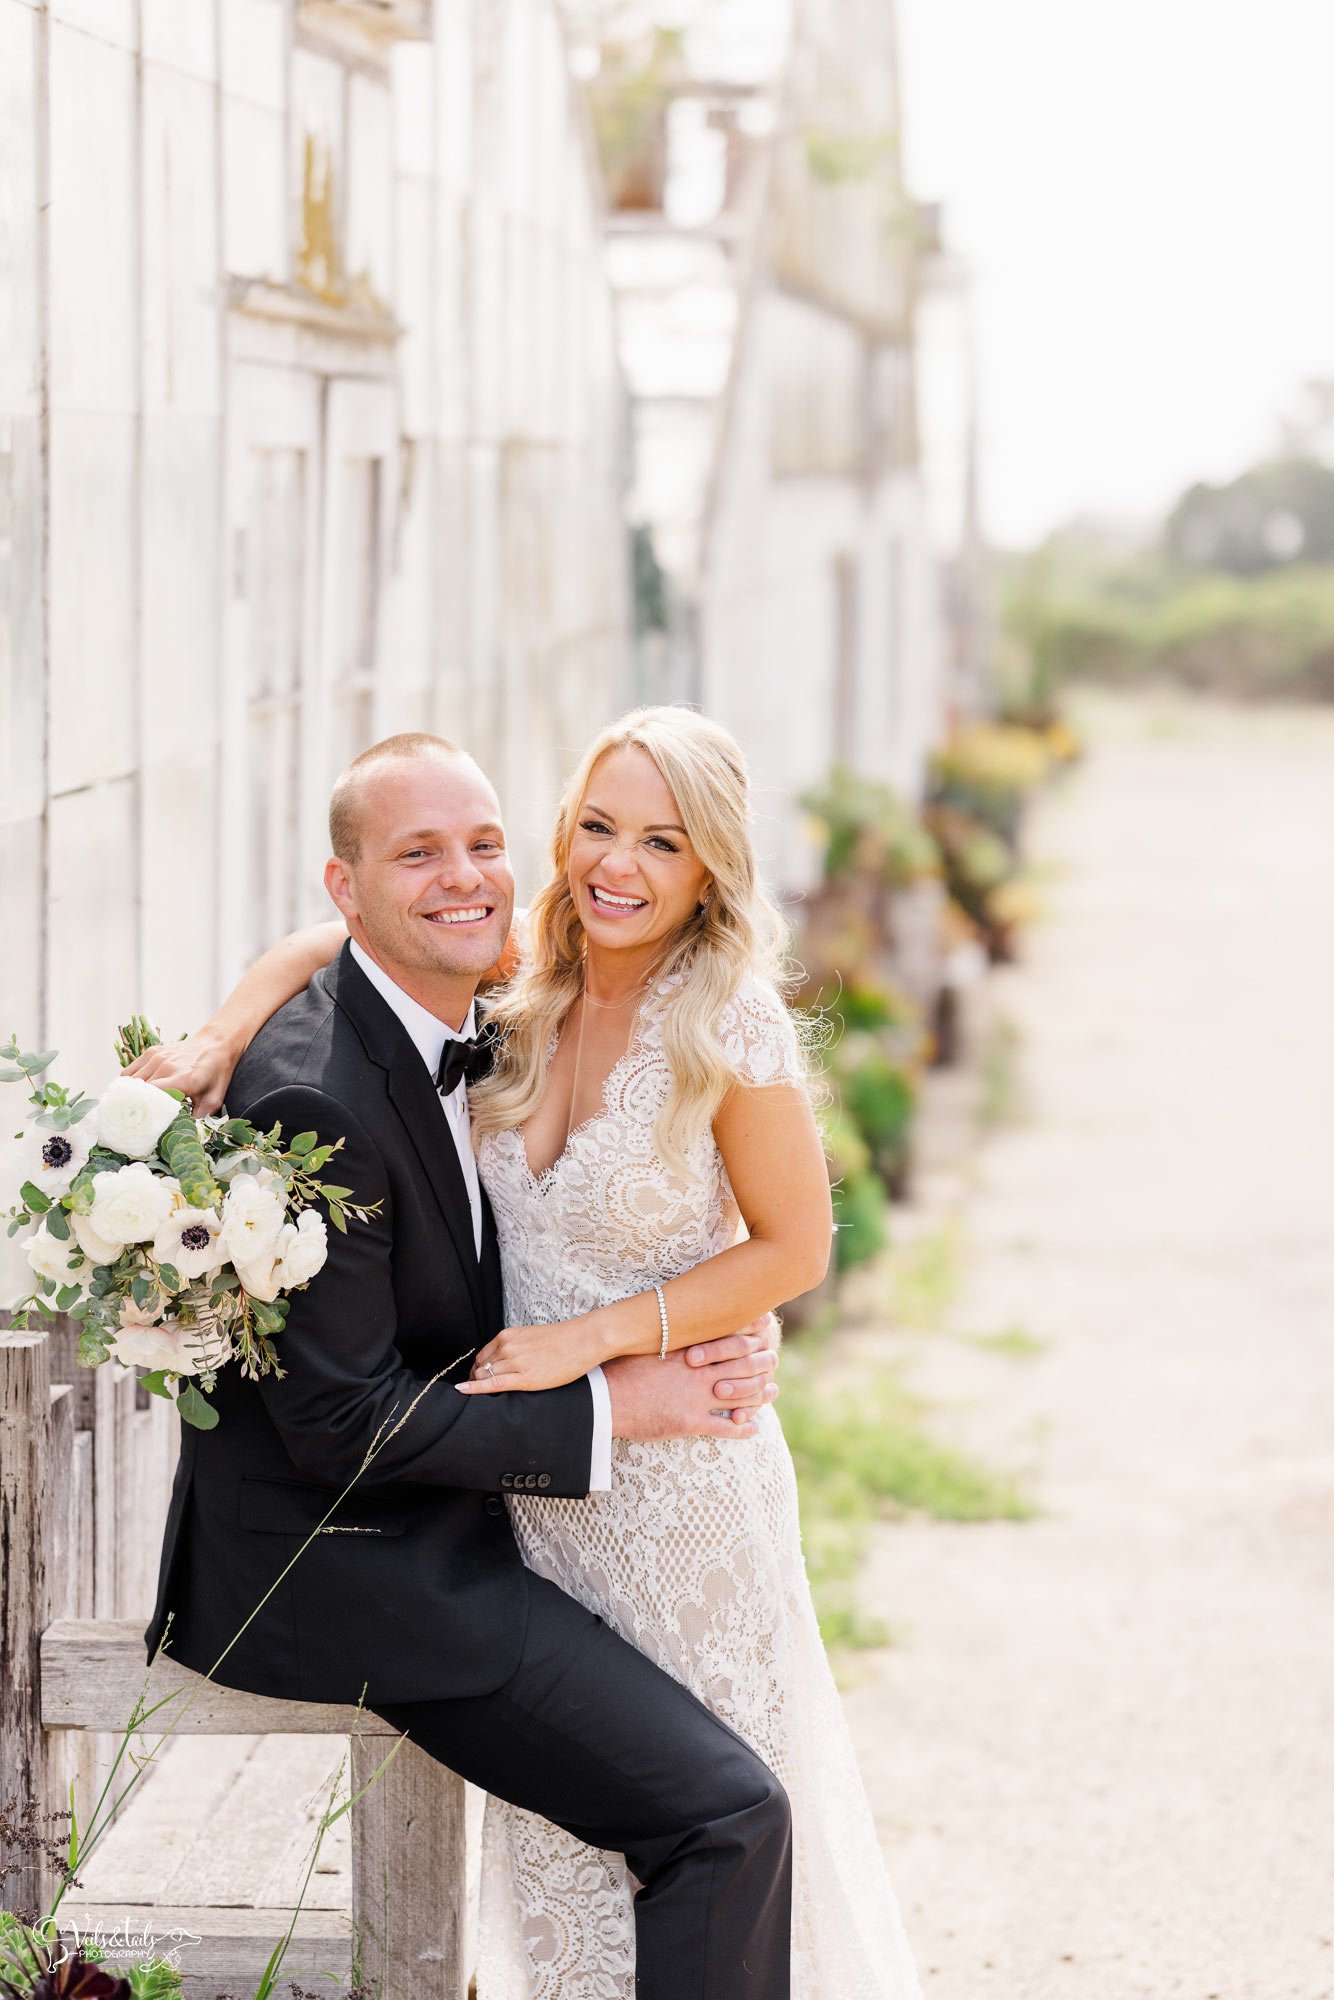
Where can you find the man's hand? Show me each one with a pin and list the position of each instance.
(753, 1351)
(660, 1399)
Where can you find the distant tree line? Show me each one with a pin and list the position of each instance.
(1235, 594)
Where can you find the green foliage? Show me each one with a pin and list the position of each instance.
(183, 1151)
(862, 1450)
(155, 1979)
(926, 1275)
(650, 583)
(836, 158)
(867, 827)
(861, 1205)
(987, 772)
(1011, 1340)
(880, 1097)
(1124, 617)
(23, 1952)
(1272, 515)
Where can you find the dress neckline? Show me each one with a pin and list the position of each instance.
(638, 1026)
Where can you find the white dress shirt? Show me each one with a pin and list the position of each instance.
(429, 1036)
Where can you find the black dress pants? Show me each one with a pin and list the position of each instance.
(593, 1736)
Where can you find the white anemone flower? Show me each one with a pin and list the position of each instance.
(191, 1241)
(54, 1158)
(132, 1115)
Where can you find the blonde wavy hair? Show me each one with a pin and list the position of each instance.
(738, 931)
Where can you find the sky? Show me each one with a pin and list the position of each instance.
(1144, 191)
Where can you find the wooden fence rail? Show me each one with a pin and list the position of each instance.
(69, 1683)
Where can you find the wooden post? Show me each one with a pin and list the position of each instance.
(26, 1481)
(408, 1878)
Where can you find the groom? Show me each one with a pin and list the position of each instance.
(414, 1588)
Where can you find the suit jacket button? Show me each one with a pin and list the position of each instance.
(493, 1505)
(507, 1479)
(544, 1479)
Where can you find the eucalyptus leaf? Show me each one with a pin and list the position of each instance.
(195, 1409)
(67, 1296)
(81, 1107)
(57, 1225)
(11, 1076)
(36, 1200)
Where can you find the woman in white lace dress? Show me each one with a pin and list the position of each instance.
(607, 1177)
(650, 1093)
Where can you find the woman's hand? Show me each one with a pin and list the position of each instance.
(201, 1066)
(535, 1357)
(545, 1357)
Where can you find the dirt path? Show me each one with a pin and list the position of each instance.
(1102, 1755)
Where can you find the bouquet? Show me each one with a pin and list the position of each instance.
(172, 1240)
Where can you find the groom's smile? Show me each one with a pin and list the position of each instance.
(426, 886)
(476, 914)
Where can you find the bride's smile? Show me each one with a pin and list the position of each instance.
(633, 874)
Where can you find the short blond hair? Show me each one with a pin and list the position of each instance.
(344, 818)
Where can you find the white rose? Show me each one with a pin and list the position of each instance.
(132, 1116)
(131, 1204)
(252, 1219)
(168, 1345)
(303, 1249)
(190, 1240)
(50, 1258)
(54, 1158)
(97, 1249)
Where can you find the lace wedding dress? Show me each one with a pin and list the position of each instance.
(694, 1556)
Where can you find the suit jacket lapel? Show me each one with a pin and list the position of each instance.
(493, 1289)
(417, 1102)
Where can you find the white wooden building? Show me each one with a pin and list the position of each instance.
(768, 264)
(311, 428)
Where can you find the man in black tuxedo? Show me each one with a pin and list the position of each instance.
(414, 1588)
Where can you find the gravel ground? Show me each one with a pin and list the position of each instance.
(1102, 1752)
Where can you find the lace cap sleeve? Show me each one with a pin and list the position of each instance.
(758, 1036)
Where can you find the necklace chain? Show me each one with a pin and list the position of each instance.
(584, 994)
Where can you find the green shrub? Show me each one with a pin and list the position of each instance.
(867, 828)
(880, 1098)
(861, 1206)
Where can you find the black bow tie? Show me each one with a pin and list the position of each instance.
(466, 1061)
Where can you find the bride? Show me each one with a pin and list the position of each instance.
(648, 1091)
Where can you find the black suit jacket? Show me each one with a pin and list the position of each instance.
(415, 1586)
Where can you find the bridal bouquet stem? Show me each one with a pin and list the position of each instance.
(172, 1240)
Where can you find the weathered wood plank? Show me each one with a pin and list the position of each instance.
(222, 1951)
(272, 1804)
(190, 1778)
(93, 1671)
(25, 1591)
(71, 1759)
(409, 1887)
